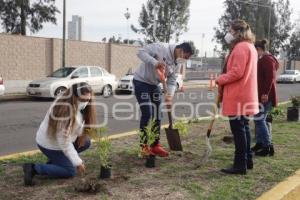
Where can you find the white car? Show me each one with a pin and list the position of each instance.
(100, 80)
(2, 87)
(289, 76)
(126, 83)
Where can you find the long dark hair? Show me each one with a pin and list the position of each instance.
(64, 110)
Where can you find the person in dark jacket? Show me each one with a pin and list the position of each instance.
(266, 78)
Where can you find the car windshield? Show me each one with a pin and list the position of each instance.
(62, 72)
(129, 72)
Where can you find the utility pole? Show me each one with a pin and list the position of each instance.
(127, 16)
(64, 36)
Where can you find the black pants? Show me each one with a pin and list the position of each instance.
(242, 140)
(149, 98)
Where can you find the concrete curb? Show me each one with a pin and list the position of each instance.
(14, 97)
(286, 190)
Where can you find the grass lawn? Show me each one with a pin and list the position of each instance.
(177, 177)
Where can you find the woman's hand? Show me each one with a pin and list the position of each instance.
(81, 169)
(264, 98)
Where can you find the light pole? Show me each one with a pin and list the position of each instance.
(64, 36)
(270, 14)
(202, 43)
(127, 16)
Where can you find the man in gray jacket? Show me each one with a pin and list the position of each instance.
(166, 59)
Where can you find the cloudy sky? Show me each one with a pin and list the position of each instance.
(102, 18)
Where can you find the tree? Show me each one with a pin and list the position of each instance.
(163, 20)
(283, 27)
(293, 49)
(16, 15)
(257, 14)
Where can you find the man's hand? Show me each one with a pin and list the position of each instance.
(161, 66)
(81, 169)
(264, 98)
(81, 141)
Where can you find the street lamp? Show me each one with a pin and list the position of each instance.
(64, 36)
(264, 6)
(127, 16)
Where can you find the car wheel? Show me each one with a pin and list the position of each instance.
(59, 90)
(107, 91)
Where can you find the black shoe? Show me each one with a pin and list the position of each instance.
(29, 172)
(263, 152)
(250, 164)
(271, 150)
(234, 171)
(257, 147)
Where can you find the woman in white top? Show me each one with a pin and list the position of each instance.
(61, 135)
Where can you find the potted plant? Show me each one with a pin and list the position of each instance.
(293, 111)
(148, 137)
(103, 149)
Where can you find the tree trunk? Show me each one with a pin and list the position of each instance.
(23, 17)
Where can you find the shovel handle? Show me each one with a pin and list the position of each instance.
(163, 80)
(214, 116)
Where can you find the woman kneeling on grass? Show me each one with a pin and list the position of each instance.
(61, 137)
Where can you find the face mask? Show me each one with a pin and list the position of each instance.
(181, 61)
(82, 105)
(229, 38)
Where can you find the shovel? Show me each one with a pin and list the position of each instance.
(173, 136)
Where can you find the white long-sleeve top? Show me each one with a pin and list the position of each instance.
(63, 140)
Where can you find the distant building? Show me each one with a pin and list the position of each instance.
(75, 28)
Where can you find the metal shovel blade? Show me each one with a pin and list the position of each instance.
(173, 138)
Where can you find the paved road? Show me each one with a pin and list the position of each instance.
(19, 120)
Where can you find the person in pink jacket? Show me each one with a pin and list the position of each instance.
(239, 94)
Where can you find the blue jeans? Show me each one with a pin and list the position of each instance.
(262, 130)
(149, 98)
(242, 140)
(58, 165)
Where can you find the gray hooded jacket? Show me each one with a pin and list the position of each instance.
(150, 55)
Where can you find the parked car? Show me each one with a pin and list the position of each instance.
(289, 76)
(2, 87)
(126, 83)
(100, 80)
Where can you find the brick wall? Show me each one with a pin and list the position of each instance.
(123, 57)
(24, 58)
(29, 58)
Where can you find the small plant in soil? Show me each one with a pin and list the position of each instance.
(182, 127)
(150, 134)
(293, 112)
(148, 138)
(103, 149)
